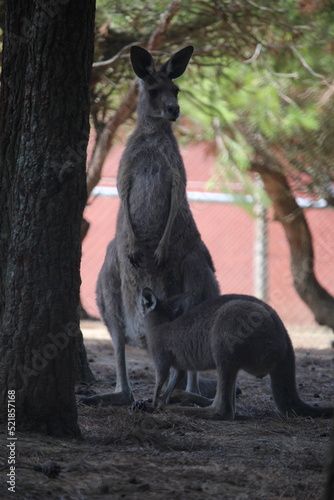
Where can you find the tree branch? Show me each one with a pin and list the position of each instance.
(110, 62)
(299, 238)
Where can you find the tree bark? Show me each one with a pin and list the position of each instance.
(299, 238)
(329, 489)
(44, 127)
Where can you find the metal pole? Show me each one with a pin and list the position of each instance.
(261, 252)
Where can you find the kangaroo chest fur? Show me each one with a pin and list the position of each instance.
(152, 161)
(150, 166)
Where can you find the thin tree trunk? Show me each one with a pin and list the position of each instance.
(44, 129)
(299, 238)
(329, 489)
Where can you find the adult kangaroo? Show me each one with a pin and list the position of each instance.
(157, 243)
(229, 333)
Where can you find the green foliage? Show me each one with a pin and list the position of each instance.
(274, 99)
(260, 79)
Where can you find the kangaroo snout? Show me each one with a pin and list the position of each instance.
(173, 112)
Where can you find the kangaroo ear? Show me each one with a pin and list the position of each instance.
(177, 64)
(142, 62)
(148, 301)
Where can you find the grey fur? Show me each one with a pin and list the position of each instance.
(229, 333)
(157, 243)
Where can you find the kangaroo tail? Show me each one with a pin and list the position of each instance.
(283, 384)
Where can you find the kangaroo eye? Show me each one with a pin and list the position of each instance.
(153, 93)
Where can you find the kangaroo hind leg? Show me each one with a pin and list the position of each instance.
(109, 300)
(223, 405)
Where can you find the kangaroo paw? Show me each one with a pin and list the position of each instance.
(143, 405)
(160, 257)
(136, 258)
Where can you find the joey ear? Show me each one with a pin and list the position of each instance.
(148, 301)
(177, 64)
(142, 62)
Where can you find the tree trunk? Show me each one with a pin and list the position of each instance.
(44, 128)
(329, 489)
(299, 237)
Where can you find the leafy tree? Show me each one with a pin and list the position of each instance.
(46, 67)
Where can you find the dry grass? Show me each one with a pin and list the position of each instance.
(134, 455)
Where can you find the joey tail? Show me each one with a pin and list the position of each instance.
(283, 384)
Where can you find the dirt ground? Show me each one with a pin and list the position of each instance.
(133, 455)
